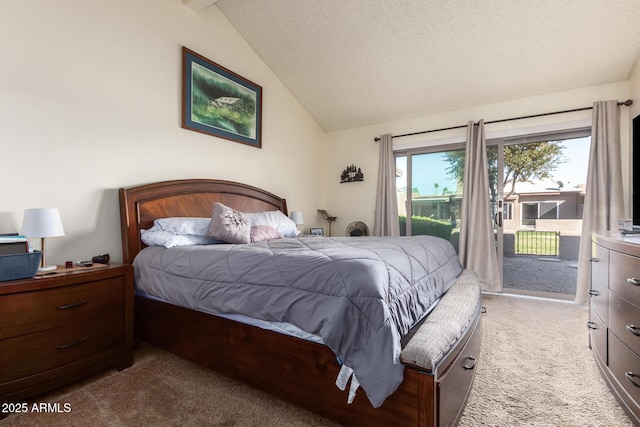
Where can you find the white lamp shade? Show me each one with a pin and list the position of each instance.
(42, 222)
(296, 216)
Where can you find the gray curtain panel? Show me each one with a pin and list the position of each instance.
(603, 202)
(386, 214)
(477, 250)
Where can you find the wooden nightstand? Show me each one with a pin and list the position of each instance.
(62, 327)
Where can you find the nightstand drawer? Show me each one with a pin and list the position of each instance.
(31, 312)
(26, 355)
(625, 366)
(625, 276)
(626, 323)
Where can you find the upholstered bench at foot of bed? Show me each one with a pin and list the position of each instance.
(444, 326)
(446, 347)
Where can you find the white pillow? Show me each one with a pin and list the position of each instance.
(276, 219)
(169, 240)
(178, 231)
(182, 225)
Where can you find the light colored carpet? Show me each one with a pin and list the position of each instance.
(535, 369)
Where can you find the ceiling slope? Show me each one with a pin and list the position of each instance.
(352, 63)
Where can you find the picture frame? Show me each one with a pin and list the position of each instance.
(316, 231)
(218, 102)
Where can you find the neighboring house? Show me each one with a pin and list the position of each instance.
(558, 212)
(555, 210)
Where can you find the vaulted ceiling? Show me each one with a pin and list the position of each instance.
(352, 63)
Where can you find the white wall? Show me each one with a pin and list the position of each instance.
(90, 95)
(356, 201)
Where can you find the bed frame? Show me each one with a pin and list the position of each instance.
(292, 369)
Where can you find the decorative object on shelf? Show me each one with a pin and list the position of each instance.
(357, 228)
(101, 259)
(328, 217)
(219, 102)
(352, 173)
(296, 216)
(42, 223)
(316, 231)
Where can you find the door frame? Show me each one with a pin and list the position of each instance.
(500, 143)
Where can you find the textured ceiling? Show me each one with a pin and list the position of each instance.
(352, 63)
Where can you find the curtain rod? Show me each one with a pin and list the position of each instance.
(626, 103)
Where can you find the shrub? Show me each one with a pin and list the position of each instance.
(424, 225)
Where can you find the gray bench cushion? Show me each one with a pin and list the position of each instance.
(445, 324)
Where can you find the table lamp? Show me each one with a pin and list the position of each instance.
(42, 223)
(296, 216)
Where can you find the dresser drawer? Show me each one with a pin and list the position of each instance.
(626, 322)
(26, 355)
(597, 335)
(600, 265)
(625, 366)
(29, 312)
(454, 386)
(599, 295)
(624, 276)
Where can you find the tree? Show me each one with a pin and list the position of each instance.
(522, 163)
(526, 162)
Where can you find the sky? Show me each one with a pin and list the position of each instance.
(430, 169)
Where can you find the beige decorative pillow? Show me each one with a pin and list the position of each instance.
(229, 225)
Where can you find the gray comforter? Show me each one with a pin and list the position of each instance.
(361, 295)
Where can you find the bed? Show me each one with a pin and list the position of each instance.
(432, 391)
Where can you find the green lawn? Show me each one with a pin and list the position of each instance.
(537, 242)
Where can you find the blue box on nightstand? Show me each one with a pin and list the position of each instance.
(19, 266)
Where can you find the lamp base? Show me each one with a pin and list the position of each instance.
(47, 268)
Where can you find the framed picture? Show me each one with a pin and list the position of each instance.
(316, 231)
(218, 102)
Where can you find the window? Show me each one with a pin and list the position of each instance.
(548, 210)
(532, 211)
(507, 210)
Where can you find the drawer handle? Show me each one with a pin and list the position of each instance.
(593, 292)
(593, 259)
(470, 365)
(71, 344)
(630, 376)
(633, 281)
(592, 325)
(633, 330)
(72, 305)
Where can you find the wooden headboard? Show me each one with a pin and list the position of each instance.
(141, 205)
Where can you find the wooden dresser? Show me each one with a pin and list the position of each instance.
(614, 318)
(59, 328)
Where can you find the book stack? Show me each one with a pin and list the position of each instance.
(11, 244)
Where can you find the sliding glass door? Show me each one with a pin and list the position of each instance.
(536, 193)
(544, 189)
